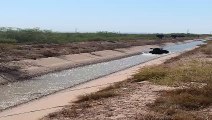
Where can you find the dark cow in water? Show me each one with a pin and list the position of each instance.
(159, 51)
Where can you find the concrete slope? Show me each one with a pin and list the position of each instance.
(68, 95)
(33, 68)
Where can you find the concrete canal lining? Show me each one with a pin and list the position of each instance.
(25, 91)
(68, 95)
(46, 65)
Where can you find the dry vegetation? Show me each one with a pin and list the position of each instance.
(193, 71)
(207, 49)
(194, 81)
(107, 92)
(17, 44)
(191, 96)
(16, 52)
(20, 44)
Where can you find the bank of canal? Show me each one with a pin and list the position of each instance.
(24, 91)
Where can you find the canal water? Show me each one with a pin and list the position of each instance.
(20, 92)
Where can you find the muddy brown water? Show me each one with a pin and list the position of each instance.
(24, 91)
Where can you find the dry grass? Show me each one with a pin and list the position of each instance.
(107, 92)
(180, 104)
(68, 112)
(152, 117)
(96, 96)
(6, 68)
(183, 104)
(151, 73)
(184, 99)
(193, 71)
(84, 102)
(113, 87)
(180, 116)
(207, 49)
(6, 47)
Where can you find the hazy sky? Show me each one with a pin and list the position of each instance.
(141, 16)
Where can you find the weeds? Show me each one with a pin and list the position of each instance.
(6, 47)
(184, 99)
(181, 104)
(107, 92)
(183, 115)
(152, 73)
(193, 71)
(207, 49)
(96, 96)
(113, 87)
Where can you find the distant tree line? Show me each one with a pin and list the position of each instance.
(36, 35)
(174, 36)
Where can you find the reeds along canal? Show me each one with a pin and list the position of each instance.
(24, 91)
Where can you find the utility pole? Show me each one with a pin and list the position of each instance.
(187, 31)
(75, 30)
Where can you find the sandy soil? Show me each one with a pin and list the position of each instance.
(68, 95)
(129, 105)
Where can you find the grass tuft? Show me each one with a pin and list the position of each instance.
(152, 73)
(96, 96)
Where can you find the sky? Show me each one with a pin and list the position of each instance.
(126, 16)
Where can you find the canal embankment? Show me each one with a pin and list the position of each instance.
(29, 68)
(47, 104)
(20, 92)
